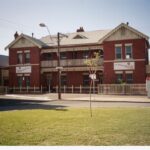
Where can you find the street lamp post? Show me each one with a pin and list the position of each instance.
(58, 60)
(59, 67)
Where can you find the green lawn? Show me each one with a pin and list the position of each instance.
(108, 126)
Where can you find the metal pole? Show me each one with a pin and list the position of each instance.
(59, 73)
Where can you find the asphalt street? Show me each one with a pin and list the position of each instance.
(11, 104)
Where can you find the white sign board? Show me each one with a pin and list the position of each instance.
(24, 69)
(124, 66)
(92, 76)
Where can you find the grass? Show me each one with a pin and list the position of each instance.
(108, 126)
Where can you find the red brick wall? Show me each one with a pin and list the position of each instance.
(34, 62)
(139, 52)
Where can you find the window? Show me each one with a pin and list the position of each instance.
(101, 53)
(27, 78)
(119, 78)
(86, 80)
(63, 80)
(63, 55)
(128, 49)
(19, 58)
(85, 54)
(27, 57)
(118, 52)
(20, 81)
(129, 78)
(74, 55)
(48, 56)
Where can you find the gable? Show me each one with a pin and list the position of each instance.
(123, 34)
(22, 42)
(79, 37)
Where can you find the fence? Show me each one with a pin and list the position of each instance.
(122, 89)
(118, 89)
(79, 89)
(3, 89)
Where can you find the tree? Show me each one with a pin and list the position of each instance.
(92, 64)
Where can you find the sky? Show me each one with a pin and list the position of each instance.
(66, 16)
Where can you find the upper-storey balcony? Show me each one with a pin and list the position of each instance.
(67, 63)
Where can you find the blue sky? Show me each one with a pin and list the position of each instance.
(68, 15)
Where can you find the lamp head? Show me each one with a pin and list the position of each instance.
(42, 25)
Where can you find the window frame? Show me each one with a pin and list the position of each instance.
(63, 80)
(18, 59)
(118, 46)
(85, 54)
(26, 79)
(129, 81)
(86, 81)
(25, 58)
(20, 81)
(126, 51)
(117, 79)
(63, 56)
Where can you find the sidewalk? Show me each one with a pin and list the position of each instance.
(78, 97)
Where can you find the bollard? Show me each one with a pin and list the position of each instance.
(80, 89)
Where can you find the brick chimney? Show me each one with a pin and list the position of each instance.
(80, 29)
(16, 35)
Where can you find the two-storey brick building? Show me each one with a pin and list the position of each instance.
(123, 51)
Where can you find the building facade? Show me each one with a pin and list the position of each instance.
(123, 58)
(4, 70)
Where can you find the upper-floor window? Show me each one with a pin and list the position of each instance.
(74, 55)
(118, 52)
(101, 53)
(85, 54)
(27, 57)
(48, 56)
(128, 51)
(19, 58)
(63, 55)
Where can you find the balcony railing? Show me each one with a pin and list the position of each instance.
(67, 63)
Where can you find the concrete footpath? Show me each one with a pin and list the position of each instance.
(78, 97)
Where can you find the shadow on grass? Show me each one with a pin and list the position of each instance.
(11, 104)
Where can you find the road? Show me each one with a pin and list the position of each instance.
(11, 104)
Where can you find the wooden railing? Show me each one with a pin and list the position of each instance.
(66, 62)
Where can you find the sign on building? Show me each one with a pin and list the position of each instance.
(92, 76)
(124, 66)
(24, 69)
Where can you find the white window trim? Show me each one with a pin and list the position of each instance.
(118, 45)
(26, 74)
(128, 72)
(19, 75)
(118, 72)
(128, 44)
(27, 51)
(19, 52)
